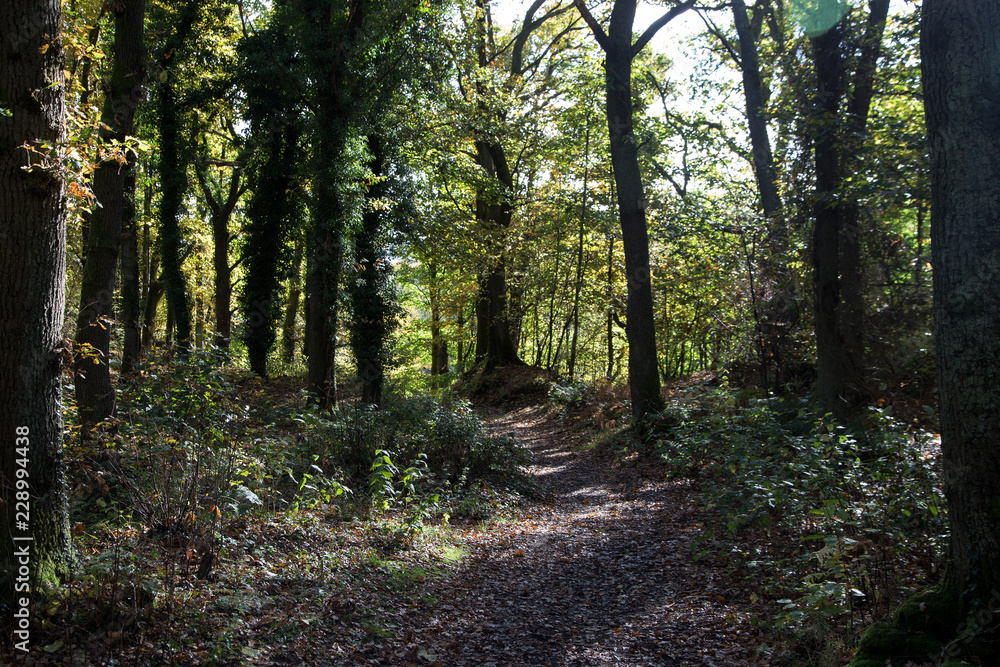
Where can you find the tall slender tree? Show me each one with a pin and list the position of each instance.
(640, 329)
(174, 156)
(842, 101)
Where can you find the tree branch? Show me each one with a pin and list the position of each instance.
(602, 37)
(714, 30)
(659, 23)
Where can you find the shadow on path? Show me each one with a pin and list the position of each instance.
(600, 572)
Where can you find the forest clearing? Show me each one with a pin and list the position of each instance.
(513, 332)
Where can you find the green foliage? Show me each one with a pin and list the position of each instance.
(863, 502)
(430, 441)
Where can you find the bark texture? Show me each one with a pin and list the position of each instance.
(960, 45)
(32, 301)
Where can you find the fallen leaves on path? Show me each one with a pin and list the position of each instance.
(601, 571)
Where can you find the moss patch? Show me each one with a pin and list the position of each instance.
(928, 627)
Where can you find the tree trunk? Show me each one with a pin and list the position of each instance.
(173, 185)
(640, 330)
(852, 319)
(754, 94)
(837, 237)
(494, 344)
(132, 344)
(269, 216)
(32, 301)
(439, 347)
(371, 292)
(292, 308)
(95, 395)
(826, 235)
(172, 172)
(329, 210)
(960, 48)
(571, 366)
(149, 308)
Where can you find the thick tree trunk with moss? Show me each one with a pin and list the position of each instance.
(172, 173)
(956, 622)
(95, 395)
(32, 301)
(960, 44)
(265, 248)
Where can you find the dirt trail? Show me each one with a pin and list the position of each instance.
(601, 572)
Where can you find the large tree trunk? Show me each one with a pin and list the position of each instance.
(960, 44)
(329, 210)
(640, 328)
(852, 318)
(173, 177)
(323, 281)
(32, 301)
(837, 237)
(172, 172)
(265, 249)
(95, 395)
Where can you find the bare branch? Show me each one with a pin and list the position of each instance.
(659, 23)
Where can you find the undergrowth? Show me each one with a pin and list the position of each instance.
(836, 524)
(214, 493)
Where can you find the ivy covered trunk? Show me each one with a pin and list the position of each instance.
(32, 301)
(95, 395)
(960, 45)
(265, 249)
(372, 297)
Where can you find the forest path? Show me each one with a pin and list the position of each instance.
(600, 571)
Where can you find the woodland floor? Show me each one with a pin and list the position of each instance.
(608, 565)
(600, 571)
